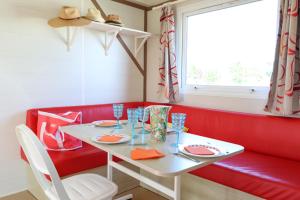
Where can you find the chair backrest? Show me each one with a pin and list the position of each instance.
(40, 163)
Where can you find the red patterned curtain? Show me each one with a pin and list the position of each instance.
(168, 70)
(285, 82)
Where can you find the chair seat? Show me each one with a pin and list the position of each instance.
(87, 187)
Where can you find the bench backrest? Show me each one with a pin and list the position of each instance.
(90, 113)
(277, 136)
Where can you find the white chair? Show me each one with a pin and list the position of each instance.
(78, 187)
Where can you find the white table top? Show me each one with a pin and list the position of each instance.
(170, 165)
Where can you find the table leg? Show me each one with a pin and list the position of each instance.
(109, 167)
(177, 187)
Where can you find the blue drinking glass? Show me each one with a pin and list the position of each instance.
(118, 112)
(133, 116)
(178, 121)
(143, 115)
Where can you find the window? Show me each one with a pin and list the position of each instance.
(230, 48)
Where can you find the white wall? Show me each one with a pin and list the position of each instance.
(37, 71)
(251, 105)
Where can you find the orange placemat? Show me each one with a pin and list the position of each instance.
(107, 123)
(143, 154)
(199, 150)
(110, 138)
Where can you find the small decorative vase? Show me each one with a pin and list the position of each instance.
(159, 122)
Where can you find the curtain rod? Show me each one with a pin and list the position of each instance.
(168, 4)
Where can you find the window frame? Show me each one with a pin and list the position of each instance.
(257, 92)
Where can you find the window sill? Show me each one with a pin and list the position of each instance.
(257, 94)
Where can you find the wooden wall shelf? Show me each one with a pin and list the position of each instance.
(123, 30)
(112, 32)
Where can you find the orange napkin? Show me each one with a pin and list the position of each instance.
(110, 138)
(107, 123)
(143, 154)
(198, 150)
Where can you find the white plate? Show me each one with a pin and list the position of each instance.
(98, 123)
(125, 138)
(216, 150)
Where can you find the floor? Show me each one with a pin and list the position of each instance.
(139, 193)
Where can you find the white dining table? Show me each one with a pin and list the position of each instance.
(171, 165)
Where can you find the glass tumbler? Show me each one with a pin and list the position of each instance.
(118, 112)
(132, 115)
(143, 117)
(178, 121)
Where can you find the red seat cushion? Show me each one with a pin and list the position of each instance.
(70, 162)
(262, 175)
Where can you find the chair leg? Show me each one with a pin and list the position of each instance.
(33, 187)
(126, 197)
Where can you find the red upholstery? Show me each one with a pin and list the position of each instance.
(270, 166)
(265, 176)
(87, 157)
(90, 113)
(70, 162)
(258, 133)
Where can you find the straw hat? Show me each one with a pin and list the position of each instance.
(114, 20)
(94, 15)
(68, 16)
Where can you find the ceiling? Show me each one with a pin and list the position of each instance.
(147, 2)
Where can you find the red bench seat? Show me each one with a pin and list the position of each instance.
(70, 162)
(261, 175)
(269, 167)
(87, 157)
